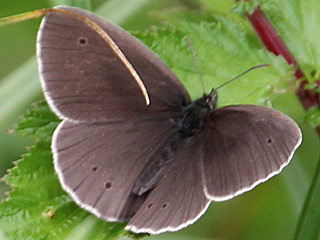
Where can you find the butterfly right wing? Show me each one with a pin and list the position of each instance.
(98, 163)
(245, 145)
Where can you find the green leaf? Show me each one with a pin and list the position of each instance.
(243, 7)
(39, 123)
(297, 22)
(225, 47)
(37, 203)
(313, 86)
(298, 25)
(216, 6)
(38, 197)
(312, 116)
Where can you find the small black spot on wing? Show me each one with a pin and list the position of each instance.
(108, 185)
(94, 168)
(82, 41)
(165, 205)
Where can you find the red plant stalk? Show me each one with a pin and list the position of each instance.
(274, 43)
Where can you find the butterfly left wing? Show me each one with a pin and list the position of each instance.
(243, 146)
(98, 163)
(84, 80)
(178, 199)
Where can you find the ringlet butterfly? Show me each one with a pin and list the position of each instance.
(156, 165)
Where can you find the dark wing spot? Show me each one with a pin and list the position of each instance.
(149, 205)
(269, 141)
(82, 41)
(94, 168)
(108, 185)
(165, 205)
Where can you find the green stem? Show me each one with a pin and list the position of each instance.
(22, 17)
(308, 227)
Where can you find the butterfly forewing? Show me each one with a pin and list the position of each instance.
(243, 146)
(84, 80)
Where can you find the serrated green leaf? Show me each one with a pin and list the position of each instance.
(37, 203)
(225, 47)
(243, 7)
(298, 25)
(297, 22)
(39, 123)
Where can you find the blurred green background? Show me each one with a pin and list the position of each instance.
(270, 211)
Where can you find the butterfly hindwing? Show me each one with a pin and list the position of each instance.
(245, 145)
(178, 199)
(98, 164)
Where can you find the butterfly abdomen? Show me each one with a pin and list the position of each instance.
(158, 163)
(191, 122)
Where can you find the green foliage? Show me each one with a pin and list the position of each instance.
(298, 25)
(309, 224)
(37, 204)
(312, 116)
(243, 7)
(225, 45)
(38, 124)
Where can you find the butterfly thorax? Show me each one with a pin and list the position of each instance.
(195, 115)
(191, 122)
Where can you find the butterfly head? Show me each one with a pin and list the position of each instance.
(208, 102)
(212, 99)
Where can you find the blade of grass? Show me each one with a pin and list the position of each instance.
(308, 227)
(128, 7)
(85, 4)
(20, 86)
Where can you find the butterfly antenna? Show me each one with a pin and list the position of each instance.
(195, 62)
(240, 75)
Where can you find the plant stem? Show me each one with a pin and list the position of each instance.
(274, 43)
(307, 227)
